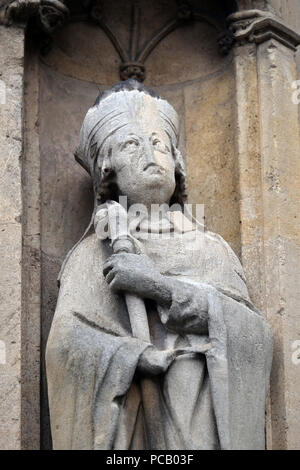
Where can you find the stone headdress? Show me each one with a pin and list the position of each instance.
(126, 102)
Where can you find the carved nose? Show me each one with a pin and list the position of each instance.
(149, 157)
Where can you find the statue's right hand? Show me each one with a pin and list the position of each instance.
(154, 362)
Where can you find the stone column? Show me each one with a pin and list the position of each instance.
(268, 148)
(31, 257)
(20, 221)
(11, 144)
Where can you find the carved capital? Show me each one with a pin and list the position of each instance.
(258, 26)
(48, 15)
(18, 11)
(134, 70)
(53, 14)
(225, 42)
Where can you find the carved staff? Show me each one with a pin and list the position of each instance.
(122, 243)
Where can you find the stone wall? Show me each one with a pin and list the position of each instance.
(11, 138)
(240, 135)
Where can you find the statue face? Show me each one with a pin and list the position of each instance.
(142, 159)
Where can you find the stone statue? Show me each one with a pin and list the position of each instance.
(155, 343)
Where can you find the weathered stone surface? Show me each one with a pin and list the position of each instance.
(247, 135)
(64, 183)
(66, 194)
(288, 10)
(267, 149)
(31, 259)
(73, 54)
(211, 166)
(10, 334)
(11, 73)
(280, 190)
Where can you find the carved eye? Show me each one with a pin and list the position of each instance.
(160, 145)
(131, 143)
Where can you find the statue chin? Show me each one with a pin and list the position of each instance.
(154, 190)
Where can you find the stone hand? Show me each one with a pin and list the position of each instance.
(154, 362)
(136, 274)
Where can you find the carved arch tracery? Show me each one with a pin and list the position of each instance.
(44, 17)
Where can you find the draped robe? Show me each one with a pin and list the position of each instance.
(98, 399)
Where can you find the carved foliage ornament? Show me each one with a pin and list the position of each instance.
(259, 26)
(51, 13)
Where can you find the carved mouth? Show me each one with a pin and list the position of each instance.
(154, 166)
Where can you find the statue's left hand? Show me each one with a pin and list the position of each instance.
(138, 275)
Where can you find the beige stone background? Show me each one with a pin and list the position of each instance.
(239, 133)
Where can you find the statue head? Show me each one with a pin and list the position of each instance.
(129, 145)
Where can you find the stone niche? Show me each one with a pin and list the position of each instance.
(186, 67)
